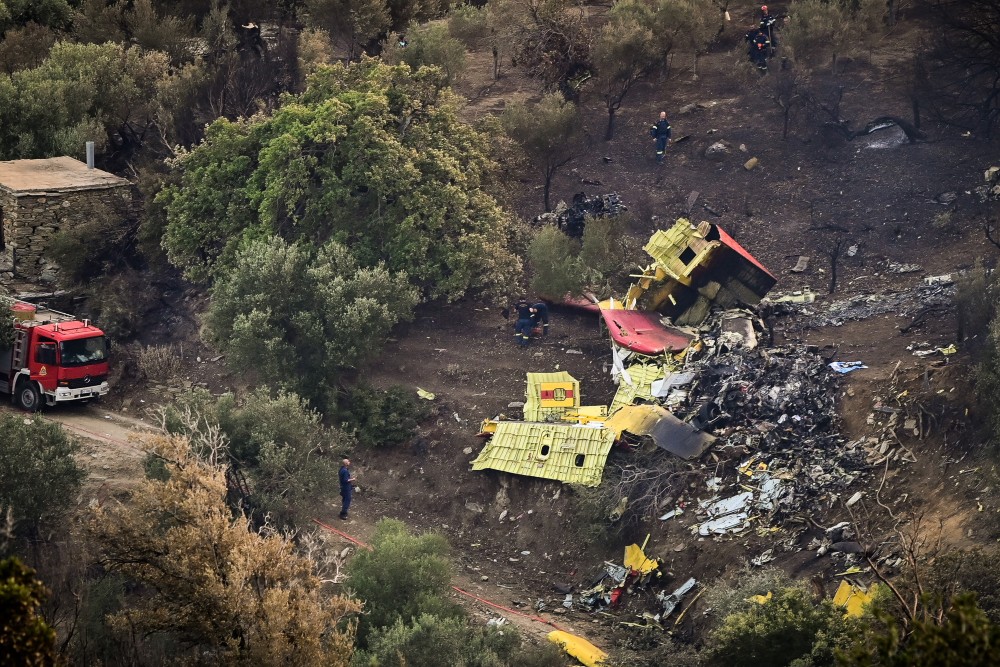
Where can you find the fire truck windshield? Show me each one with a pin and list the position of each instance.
(83, 351)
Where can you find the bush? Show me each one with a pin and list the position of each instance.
(403, 577)
(789, 629)
(39, 478)
(289, 458)
(554, 264)
(976, 298)
(381, 418)
(432, 641)
(25, 637)
(429, 45)
(158, 363)
(606, 252)
(89, 249)
(297, 319)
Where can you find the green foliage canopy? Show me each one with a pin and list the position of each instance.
(25, 637)
(297, 318)
(787, 630)
(547, 132)
(278, 442)
(101, 92)
(371, 156)
(39, 478)
(402, 577)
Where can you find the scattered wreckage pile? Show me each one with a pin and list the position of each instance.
(573, 218)
(757, 425)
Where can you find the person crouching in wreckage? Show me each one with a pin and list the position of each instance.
(531, 320)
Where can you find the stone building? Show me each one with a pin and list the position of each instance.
(39, 198)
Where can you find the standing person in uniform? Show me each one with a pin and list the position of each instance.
(346, 487)
(661, 135)
(523, 324)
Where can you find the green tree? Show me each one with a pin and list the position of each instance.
(380, 418)
(234, 596)
(371, 156)
(39, 478)
(481, 28)
(789, 629)
(354, 24)
(278, 443)
(56, 14)
(548, 133)
(624, 53)
(296, 318)
(106, 93)
(25, 638)
(428, 45)
(554, 261)
(550, 39)
(964, 637)
(432, 641)
(25, 47)
(401, 578)
(823, 30)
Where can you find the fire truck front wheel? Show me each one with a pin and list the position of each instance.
(28, 397)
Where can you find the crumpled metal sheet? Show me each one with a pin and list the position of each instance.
(663, 428)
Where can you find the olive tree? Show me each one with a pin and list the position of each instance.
(547, 132)
(371, 156)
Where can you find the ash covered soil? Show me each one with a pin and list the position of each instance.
(879, 199)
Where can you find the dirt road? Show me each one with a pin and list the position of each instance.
(109, 449)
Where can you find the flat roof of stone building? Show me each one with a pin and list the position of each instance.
(53, 175)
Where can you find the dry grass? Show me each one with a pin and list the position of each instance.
(159, 363)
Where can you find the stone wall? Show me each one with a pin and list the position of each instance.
(31, 221)
(7, 205)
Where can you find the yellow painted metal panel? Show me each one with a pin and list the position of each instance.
(637, 561)
(579, 648)
(534, 410)
(559, 394)
(853, 598)
(564, 452)
(643, 376)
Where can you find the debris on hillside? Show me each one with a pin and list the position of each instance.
(572, 219)
(696, 268)
(935, 292)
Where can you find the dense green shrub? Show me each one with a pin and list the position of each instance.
(428, 45)
(25, 637)
(789, 629)
(296, 319)
(403, 577)
(381, 417)
(278, 443)
(39, 478)
(353, 161)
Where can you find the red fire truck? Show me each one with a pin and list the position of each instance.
(51, 356)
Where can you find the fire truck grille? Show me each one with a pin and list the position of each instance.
(89, 381)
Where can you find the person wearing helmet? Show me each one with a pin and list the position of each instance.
(767, 24)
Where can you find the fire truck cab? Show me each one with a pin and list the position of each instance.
(53, 357)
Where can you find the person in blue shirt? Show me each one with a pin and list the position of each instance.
(540, 317)
(346, 487)
(660, 131)
(524, 324)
